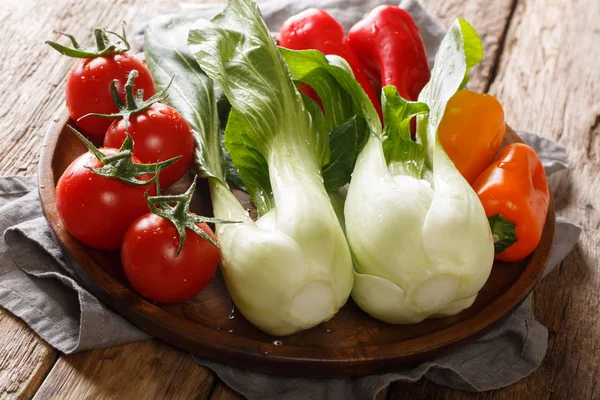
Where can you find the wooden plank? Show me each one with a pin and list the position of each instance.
(489, 18)
(24, 358)
(224, 392)
(150, 370)
(549, 83)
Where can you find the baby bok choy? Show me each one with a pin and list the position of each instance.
(291, 268)
(419, 236)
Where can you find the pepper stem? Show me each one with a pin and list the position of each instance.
(503, 232)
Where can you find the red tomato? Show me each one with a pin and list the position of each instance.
(152, 267)
(88, 88)
(95, 209)
(159, 133)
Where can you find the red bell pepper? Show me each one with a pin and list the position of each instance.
(316, 29)
(389, 44)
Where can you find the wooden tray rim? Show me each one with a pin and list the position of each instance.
(244, 352)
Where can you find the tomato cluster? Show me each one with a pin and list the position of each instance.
(103, 198)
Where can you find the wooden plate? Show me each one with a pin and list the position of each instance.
(350, 344)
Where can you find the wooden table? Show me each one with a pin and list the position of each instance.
(541, 60)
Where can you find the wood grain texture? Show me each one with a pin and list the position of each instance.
(149, 370)
(549, 83)
(489, 18)
(224, 392)
(24, 358)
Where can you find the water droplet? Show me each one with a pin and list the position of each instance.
(83, 78)
(153, 115)
(277, 342)
(264, 349)
(163, 111)
(87, 68)
(327, 326)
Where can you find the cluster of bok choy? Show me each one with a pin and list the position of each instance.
(346, 205)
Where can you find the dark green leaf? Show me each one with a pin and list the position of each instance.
(343, 142)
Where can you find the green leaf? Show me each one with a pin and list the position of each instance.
(503, 232)
(459, 51)
(473, 48)
(332, 79)
(343, 142)
(191, 94)
(248, 163)
(231, 171)
(237, 51)
(401, 153)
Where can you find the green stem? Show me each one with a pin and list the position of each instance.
(180, 216)
(121, 166)
(116, 157)
(134, 103)
(100, 39)
(130, 103)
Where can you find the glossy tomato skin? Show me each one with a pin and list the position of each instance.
(159, 133)
(152, 267)
(97, 210)
(88, 88)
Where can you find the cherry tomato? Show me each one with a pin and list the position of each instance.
(158, 133)
(95, 209)
(88, 88)
(152, 266)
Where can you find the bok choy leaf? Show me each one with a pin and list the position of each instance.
(191, 93)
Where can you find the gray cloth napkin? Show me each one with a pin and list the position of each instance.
(38, 285)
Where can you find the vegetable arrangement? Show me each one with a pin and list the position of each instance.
(373, 176)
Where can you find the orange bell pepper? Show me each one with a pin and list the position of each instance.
(472, 131)
(515, 195)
